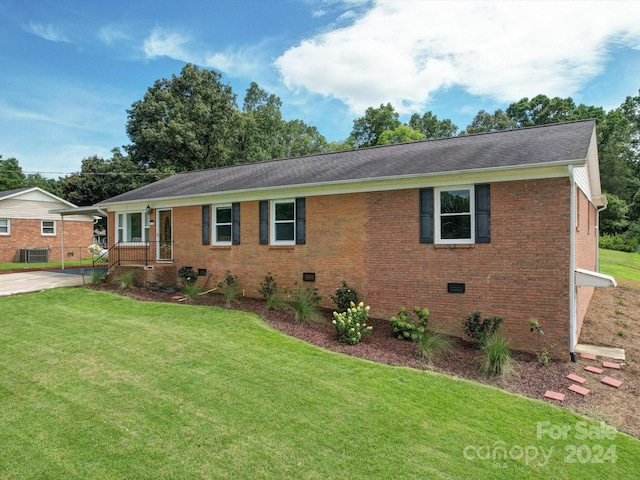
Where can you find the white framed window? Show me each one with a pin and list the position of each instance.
(222, 225)
(48, 227)
(283, 222)
(454, 219)
(132, 227)
(5, 226)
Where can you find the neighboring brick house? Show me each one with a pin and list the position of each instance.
(29, 227)
(504, 223)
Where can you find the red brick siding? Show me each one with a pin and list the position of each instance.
(371, 240)
(522, 273)
(27, 233)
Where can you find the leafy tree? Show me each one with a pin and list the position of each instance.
(260, 125)
(189, 122)
(541, 110)
(367, 129)
(11, 175)
(100, 179)
(431, 127)
(400, 134)
(48, 184)
(487, 122)
(615, 218)
(298, 139)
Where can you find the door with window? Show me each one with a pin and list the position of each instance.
(165, 235)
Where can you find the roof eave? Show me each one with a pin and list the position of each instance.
(512, 170)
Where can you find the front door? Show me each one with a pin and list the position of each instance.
(165, 235)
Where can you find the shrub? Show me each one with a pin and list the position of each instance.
(542, 353)
(478, 330)
(188, 275)
(229, 287)
(304, 304)
(496, 359)
(127, 280)
(351, 325)
(269, 290)
(344, 297)
(431, 344)
(268, 286)
(623, 242)
(407, 329)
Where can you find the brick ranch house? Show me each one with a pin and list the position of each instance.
(31, 225)
(504, 223)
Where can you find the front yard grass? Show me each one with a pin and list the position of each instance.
(93, 385)
(623, 266)
(46, 265)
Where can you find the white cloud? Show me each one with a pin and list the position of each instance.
(403, 52)
(49, 32)
(112, 34)
(162, 43)
(232, 60)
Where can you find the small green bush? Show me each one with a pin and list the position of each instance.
(405, 328)
(432, 344)
(622, 242)
(188, 275)
(344, 297)
(229, 287)
(351, 325)
(478, 330)
(304, 304)
(496, 357)
(269, 290)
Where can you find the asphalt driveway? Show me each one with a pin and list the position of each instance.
(14, 283)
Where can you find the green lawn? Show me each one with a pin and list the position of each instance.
(93, 385)
(624, 267)
(47, 265)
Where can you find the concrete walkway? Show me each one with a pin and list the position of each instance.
(14, 283)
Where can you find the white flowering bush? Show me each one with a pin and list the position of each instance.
(352, 324)
(94, 249)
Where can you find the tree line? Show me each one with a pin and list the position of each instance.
(192, 121)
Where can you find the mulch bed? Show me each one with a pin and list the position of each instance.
(529, 377)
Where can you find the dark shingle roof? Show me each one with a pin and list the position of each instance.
(8, 193)
(512, 148)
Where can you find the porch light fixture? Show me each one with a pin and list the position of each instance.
(148, 208)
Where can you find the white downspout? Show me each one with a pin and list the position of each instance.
(598, 210)
(572, 269)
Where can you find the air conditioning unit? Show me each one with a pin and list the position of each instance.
(34, 255)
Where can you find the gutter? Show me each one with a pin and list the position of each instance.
(572, 276)
(598, 210)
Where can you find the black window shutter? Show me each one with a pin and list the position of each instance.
(301, 236)
(264, 222)
(426, 215)
(483, 213)
(206, 224)
(235, 223)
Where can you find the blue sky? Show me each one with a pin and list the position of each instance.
(71, 69)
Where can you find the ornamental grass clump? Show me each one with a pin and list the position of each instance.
(352, 324)
(432, 344)
(304, 304)
(496, 357)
